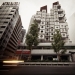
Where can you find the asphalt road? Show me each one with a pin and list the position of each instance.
(38, 70)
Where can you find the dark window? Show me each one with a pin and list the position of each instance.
(15, 12)
(47, 26)
(46, 38)
(47, 22)
(47, 34)
(10, 14)
(8, 18)
(51, 33)
(12, 10)
(41, 26)
(3, 26)
(5, 22)
(41, 31)
(51, 29)
(58, 7)
(0, 31)
(51, 38)
(63, 34)
(0, 8)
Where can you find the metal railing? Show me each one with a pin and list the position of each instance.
(49, 63)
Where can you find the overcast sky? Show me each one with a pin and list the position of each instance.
(29, 7)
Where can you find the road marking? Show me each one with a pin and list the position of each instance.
(9, 65)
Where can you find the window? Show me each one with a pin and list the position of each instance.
(47, 22)
(46, 33)
(0, 7)
(63, 34)
(46, 38)
(59, 7)
(41, 31)
(5, 22)
(51, 29)
(12, 10)
(51, 38)
(41, 26)
(51, 33)
(15, 12)
(10, 14)
(3, 26)
(14, 7)
(47, 26)
(8, 18)
(0, 31)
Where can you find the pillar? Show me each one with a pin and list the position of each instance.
(41, 57)
(70, 58)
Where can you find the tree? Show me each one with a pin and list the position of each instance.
(58, 44)
(32, 37)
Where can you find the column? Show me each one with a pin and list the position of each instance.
(70, 58)
(41, 57)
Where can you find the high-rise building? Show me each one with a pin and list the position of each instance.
(10, 28)
(49, 23)
(55, 20)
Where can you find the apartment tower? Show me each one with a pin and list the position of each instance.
(10, 28)
(50, 22)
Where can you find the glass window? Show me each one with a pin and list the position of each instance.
(51, 38)
(51, 33)
(3, 26)
(46, 38)
(0, 31)
(47, 26)
(63, 34)
(41, 31)
(41, 26)
(51, 29)
(46, 33)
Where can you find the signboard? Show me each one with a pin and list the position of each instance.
(23, 52)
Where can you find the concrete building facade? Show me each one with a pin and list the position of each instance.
(49, 23)
(10, 28)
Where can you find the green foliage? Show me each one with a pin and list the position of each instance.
(29, 41)
(32, 36)
(58, 43)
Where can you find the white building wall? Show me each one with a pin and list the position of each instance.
(46, 51)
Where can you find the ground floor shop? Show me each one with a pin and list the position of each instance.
(65, 57)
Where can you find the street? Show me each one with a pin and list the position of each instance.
(39, 70)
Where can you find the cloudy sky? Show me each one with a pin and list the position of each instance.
(29, 7)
